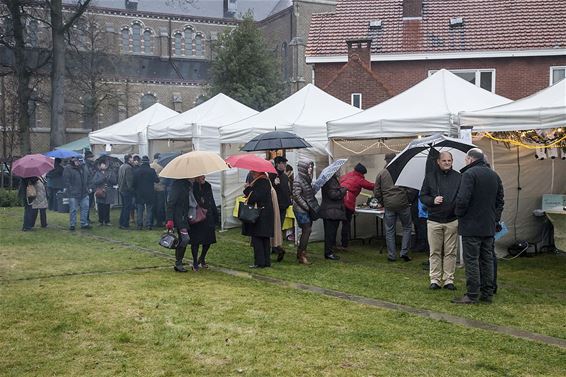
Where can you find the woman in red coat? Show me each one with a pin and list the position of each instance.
(354, 181)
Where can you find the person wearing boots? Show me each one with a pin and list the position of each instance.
(305, 206)
(280, 183)
(258, 192)
(354, 181)
(180, 207)
(204, 232)
(332, 212)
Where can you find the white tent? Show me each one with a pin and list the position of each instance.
(304, 113)
(430, 106)
(544, 109)
(133, 130)
(200, 125)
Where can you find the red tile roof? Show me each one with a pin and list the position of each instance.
(488, 25)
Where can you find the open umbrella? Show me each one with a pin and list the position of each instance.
(275, 140)
(193, 164)
(62, 153)
(32, 165)
(408, 168)
(250, 162)
(167, 157)
(327, 173)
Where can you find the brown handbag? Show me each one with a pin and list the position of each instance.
(200, 215)
(100, 192)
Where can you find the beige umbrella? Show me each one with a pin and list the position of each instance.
(194, 164)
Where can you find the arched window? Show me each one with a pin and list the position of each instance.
(125, 40)
(147, 46)
(147, 100)
(189, 42)
(177, 44)
(136, 38)
(199, 45)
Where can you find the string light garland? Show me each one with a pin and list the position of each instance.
(366, 147)
(531, 139)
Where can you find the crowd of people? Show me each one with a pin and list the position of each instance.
(467, 203)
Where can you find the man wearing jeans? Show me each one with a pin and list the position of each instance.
(397, 206)
(438, 193)
(479, 204)
(76, 182)
(126, 189)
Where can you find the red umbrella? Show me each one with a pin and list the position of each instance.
(32, 165)
(250, 162)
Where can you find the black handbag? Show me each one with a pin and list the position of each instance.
(168, 240)
(248, 213)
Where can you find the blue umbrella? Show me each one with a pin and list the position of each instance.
(327, 173)
(62, 153)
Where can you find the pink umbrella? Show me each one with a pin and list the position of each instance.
(32, 165)
(250, 162)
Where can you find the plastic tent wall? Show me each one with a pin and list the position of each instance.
(199, 126)
(304, 113)
(131, 132)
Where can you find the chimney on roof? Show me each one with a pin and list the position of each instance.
(360, 49)
(412, 8)
(230, 8)
(132, 5)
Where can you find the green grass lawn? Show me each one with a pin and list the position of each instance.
(130, 315)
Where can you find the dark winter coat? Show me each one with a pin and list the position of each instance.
(55, 177)
(105, 179)
(125, 178)
(440, 183)
(479, 202)
(76, 181)
(180, 202)
(204, 233)
(393, 198)
(282, 189)
(303, 194)
(144, 179)
(332, 206)
(354, 181)
(260, 194)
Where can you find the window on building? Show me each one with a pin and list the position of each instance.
(557, 74)
(136, 38)
(147, 46)
(125, 40)
(189, 42)
(357, 100)
(484, 78)
(147, 100)
(177, 44)
(199, 48)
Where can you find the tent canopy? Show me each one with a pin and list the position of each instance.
(78, 145)
(218, 111)
(429, 107)
(132, 130)
(305, 113)
(544, 109)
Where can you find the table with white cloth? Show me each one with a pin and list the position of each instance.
(378, 213)
(557, 217)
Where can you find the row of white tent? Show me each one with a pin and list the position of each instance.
(441, 103)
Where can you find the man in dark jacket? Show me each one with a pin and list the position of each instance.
(54, 184)
(479, 204)
(126, 189)
(332, 212)
(397, 204)
(144, 179)
(91, 169)
(438, 194)
(280, 183)
(77, 184)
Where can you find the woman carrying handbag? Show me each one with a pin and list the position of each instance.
(104, 192)
(203, 232)
(259, 194)
(181, 207)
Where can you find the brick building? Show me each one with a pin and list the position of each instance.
(512, 48)
(154, 52)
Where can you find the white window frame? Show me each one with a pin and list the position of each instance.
(552, 69)
(352, 100)
(477, 73)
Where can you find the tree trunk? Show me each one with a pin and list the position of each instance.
(57, 136)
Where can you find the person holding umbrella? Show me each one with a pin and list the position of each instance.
(280, 182)
(305, 206)
(54, 184)
(332, 212)
(33, 203)
(181, 206)
(204, 232)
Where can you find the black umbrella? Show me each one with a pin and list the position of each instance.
(409, 167)
(167, 157)
(275, 140)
